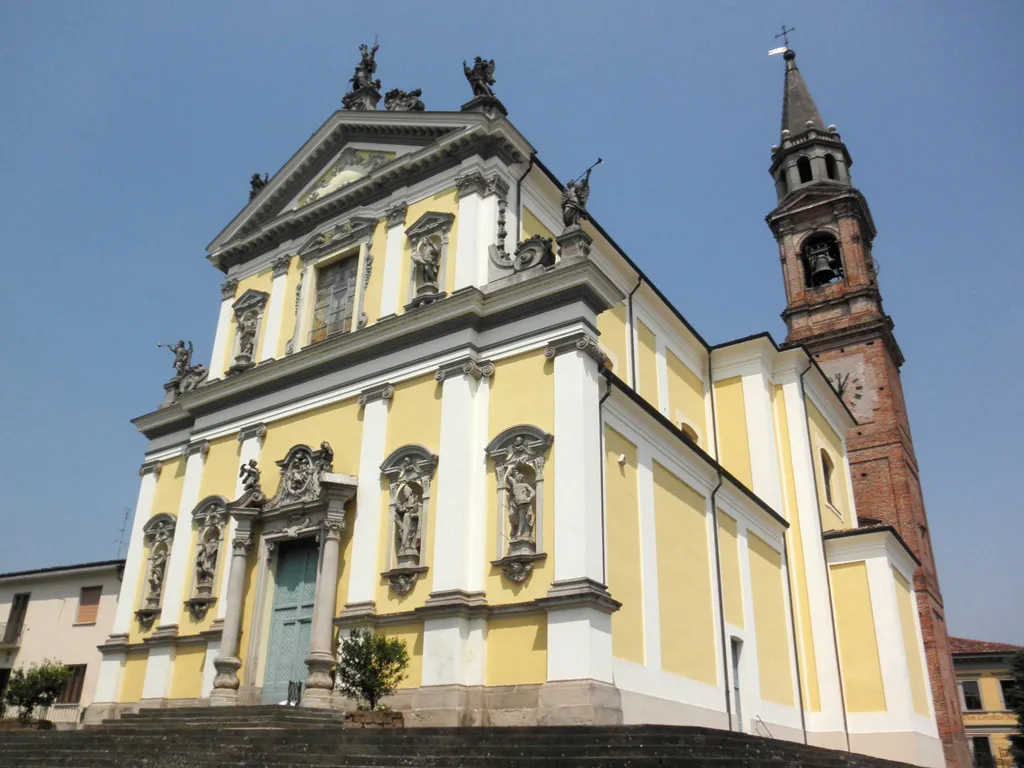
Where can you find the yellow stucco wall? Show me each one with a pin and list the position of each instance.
(684, 573)
(823, 437)
(611, 324)
(414, 418)
(685, 397)
(625, 577)
(733, 443)
(858, 644)
(770, 616)
(187, 681)
(412, 634)
(531, 226)
(797, 571)
(522, 392)
(134, 675)
(522, 638)
(372, 295)
(260, 282)
(732, 589)
(446, 201)
(912, 649)
(647, 363)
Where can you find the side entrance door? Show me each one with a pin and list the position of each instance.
(291, 618)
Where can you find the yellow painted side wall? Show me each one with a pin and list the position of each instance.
(374, 289)
(647, 363)
(858, 644)
(134, 675)
(770, 615)
(187, 681)
(522, 392)
(732, 589)
(915, 663)
(414, 418)
(824, 437)
(443, 202)
(686, 397)
(517, 650)
(797, 570)
(532, 226)
(260, 282)
(684, 569)
(611, 324)
(733, 444)
(412, 634)
(625, 578)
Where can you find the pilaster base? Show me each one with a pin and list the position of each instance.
(579, 702)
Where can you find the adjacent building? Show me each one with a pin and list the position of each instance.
(982, 680)
(62, 613)
(443, 402)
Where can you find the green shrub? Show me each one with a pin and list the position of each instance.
(39, 686)
(371, 666)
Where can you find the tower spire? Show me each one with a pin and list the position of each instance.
(798, 108)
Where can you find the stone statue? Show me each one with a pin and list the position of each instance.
(247, 334)
(367, 66)
(250, 476)
(521, 516)
(157, 567)
(408, 507)
(182, 356)
(256, 184)
(206, 561)
(187, 377)
(397, 100)
(326, 457)
(480, 76)
(574, 200)
(427, 261)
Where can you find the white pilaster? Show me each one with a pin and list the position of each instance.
(160, 665)
(365, 565)
(393, 265)
(251, 438)
(580, 644)
(649, 556)
(127, 601)
(275, 311)
(181, 552)
(892, 656)
(304, 312)
(454, 651)
(209, 671)
(764, 458)
(661, 366)
(467, 245)
(109, 679)
(578, 524)
(220, 339)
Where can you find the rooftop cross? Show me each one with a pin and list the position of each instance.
(785, 35)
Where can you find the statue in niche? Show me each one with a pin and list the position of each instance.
(426, 259)
(250, 475)
(367, 66)
(256, 185)
(522, 515)
(206, 561)
(247, 335)
(397, 100)
(408, 510)
(480, 76)
(157, 569)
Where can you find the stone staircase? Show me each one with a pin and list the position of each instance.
(277, 737)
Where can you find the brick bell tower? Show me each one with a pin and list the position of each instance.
(834, 308)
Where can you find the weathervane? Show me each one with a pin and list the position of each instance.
(785, 40)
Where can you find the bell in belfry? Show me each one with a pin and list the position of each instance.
(821, 265)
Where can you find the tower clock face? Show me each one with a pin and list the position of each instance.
(855, 383)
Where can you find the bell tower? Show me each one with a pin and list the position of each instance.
(825, 233)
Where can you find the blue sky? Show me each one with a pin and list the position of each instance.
(129, 131)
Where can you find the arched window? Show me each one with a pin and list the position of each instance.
(803, 165)
(689, 431)
(783, 182)
(831, 169)
(827, 471)
(822, 263)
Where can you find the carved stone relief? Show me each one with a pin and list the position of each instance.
(158, 534)
(409, 471)
(428, 237)
(518, 455)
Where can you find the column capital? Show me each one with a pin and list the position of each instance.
(474, 182)
(252, 430)
(331, 530)
(228, 288)
(396, 214)
(379, 392)
(581, 342)
(151, 466)
(478, 369)
(202, 447)
(241, 543)
(280, 264)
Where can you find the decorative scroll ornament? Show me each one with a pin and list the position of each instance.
(409, 471)
(300, 475)
(396, 100)
(187, 377)
(518, 454)
(536, 251)
(354, 164)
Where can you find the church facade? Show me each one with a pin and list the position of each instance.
(443, 403)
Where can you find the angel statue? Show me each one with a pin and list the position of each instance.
(250, 476)
(182, 356)
(574, 200)
(481, 76)
(365, 69)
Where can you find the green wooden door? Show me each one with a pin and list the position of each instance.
(291, 618)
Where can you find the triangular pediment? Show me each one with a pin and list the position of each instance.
(249, 300)
(350, 149)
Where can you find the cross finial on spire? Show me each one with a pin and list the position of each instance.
(785, 35)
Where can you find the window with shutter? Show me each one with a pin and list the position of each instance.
(88, 605)
(72, 693)
(335, 299)
(16, 618)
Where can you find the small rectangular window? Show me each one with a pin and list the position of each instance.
(971, 695)
(72, 693)
(1006, 686)
(981, 748)
(88, 605)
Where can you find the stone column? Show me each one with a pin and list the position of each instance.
(220, 341)
(225, 685)
(321, 657)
